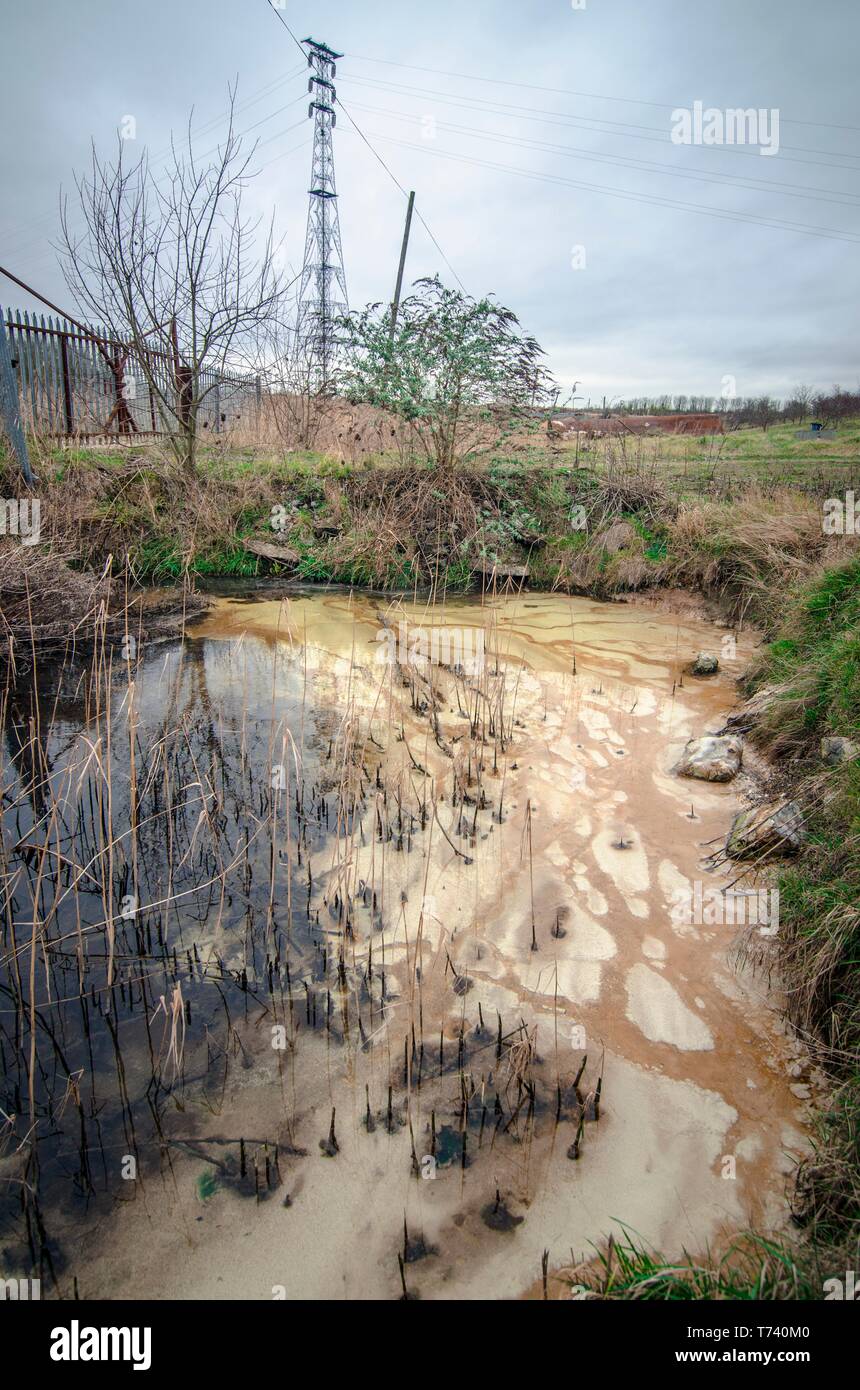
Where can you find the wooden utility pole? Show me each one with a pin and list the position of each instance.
(398, 287)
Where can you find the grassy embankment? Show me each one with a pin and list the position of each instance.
(374, 521)
(814, 667)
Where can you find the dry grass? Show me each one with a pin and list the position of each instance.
(48, 609)
(439, 514)
(405, 524)
(749, 553)
(349, 433)
(44, 604)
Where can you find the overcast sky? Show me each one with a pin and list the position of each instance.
(696, 262)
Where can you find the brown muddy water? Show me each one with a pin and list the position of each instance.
(338, 956)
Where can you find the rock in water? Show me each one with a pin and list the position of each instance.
(706, 664)
(714, 758)
(765, 831)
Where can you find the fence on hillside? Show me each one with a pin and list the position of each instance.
(71, 385)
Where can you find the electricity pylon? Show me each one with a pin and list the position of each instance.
(322, 295)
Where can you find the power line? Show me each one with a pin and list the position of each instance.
(629, 130)
(88, 332)
(778, 224)
(577, 152)
(277, 13)
(423, 222)
(262, 92)
(399, 185)
(302, 145)
(418, 211)
(569, 92)
(240, 135)
(24, 227)
(49, 250)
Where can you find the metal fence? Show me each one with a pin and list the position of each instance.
(71, 385)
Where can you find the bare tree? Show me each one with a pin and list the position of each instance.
(836, 405)
(295, 406)
(168, 264)
(765, 411)
(797, 406)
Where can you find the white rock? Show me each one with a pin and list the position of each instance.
(713, 758)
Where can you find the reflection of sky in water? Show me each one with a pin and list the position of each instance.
(190, 894)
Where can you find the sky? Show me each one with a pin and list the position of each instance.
(538, 138)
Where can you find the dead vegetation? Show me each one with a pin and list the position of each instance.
(381, 519)
(48, 609)
(43, 602)
(415, 511)
(749, 553)
(193, 878)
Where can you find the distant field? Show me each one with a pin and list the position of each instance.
(770, 457)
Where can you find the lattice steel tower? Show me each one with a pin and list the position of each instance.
(322, 295)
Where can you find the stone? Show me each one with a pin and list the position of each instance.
(713, 758)
(706, 664)
(836, 750)
(766, 831)
(492, 569)
(280, 554)
(751, 711)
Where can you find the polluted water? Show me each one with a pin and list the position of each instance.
(338, 957)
